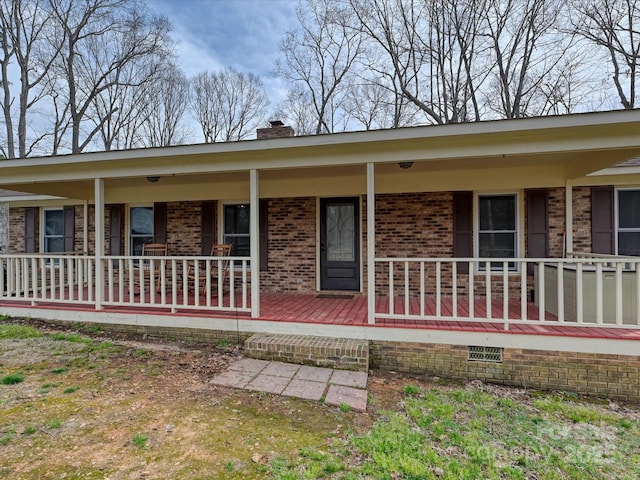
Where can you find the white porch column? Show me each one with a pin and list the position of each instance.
(254, 231)
(99, 240)
(568, 205)
(371, 244)
(85, 229)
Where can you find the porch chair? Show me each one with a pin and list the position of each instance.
(221, 250)
(144, 267)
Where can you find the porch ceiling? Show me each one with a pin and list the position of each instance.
(502, 154)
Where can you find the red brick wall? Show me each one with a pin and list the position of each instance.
(16, 229)
(292, 246)
(613, 376)
(582, 219)
(184, 228)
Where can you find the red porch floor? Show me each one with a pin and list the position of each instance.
(352, 310)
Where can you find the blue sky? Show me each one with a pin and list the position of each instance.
(242, 34)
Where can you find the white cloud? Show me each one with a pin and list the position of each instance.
(241, 34)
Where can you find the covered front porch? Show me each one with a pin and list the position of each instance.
(581, 296)
(415, 199)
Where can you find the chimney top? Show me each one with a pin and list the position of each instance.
(276, 130)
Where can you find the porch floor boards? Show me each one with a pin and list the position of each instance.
(310, 308)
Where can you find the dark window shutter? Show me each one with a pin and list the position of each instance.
(264, 235)
(115, 229)
(30, 219)
(69, 220)
(602, 220)
(160, 222)
(462, 227)
(537, 225)
(207, 226)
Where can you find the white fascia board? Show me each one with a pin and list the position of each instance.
(523, 125)
(29, 198)
(616, 171)
(310, 150)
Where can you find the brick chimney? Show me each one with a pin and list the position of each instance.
(276, 130)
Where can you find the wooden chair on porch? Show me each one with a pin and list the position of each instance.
(218, 268)
(144, 267)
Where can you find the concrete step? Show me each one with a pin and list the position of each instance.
(340, 353)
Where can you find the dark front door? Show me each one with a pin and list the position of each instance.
(339, 244)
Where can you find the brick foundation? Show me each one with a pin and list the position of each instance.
(342, 353)
(612, 376)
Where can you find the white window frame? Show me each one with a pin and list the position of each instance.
(616, 214)
(43, 229)
(221, 223)
(519, 240)
(129, 244)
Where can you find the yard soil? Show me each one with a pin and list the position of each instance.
(158, 390)
(145, 409)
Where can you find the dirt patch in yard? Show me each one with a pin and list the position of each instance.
(125, 408)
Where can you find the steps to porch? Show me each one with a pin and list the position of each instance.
(338, 353)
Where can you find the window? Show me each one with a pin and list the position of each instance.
(497, 228)
(53, 231)
(236, 229)
(141, 228)
(628, 222)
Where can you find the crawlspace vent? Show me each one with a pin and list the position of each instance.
(485, 354)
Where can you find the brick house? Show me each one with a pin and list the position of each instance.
(516, 235)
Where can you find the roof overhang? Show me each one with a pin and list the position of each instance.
(566, 147)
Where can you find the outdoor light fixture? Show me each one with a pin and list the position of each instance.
(153, 179)
(405, 165)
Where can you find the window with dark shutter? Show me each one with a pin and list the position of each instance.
(160, 222)
(602, 220)
(462, 227)
(207, 226)
(30, 219)
(537, 225)
(115, 229)
(264, 235)
(69, 214)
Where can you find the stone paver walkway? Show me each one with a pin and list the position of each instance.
(312, 383)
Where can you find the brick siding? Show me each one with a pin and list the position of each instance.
(613, 376)
(582, 219)
(292, 246)
(411, 225)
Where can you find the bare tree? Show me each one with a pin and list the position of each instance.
(431, 50)
(527, 51)
(26, 41)
(320, 55)
(229, 105)
(614, 27)
(166, 102)
(299, 111)
(103, 38)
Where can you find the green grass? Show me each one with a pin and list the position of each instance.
(140, 440)
(29, 430)
(464, 433)
(54, 423)
(13, 379)
(18, 332)
(70, 390)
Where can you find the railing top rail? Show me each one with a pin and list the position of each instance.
(609, 259)
(122, 257)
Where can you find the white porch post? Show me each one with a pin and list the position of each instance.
(371, 244)
(254, 230)
(568, 205)
(99, 240)
(85, 229)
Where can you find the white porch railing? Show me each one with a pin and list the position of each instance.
(579, 291)
(59, 278)
(178, 282)
(163, 282)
